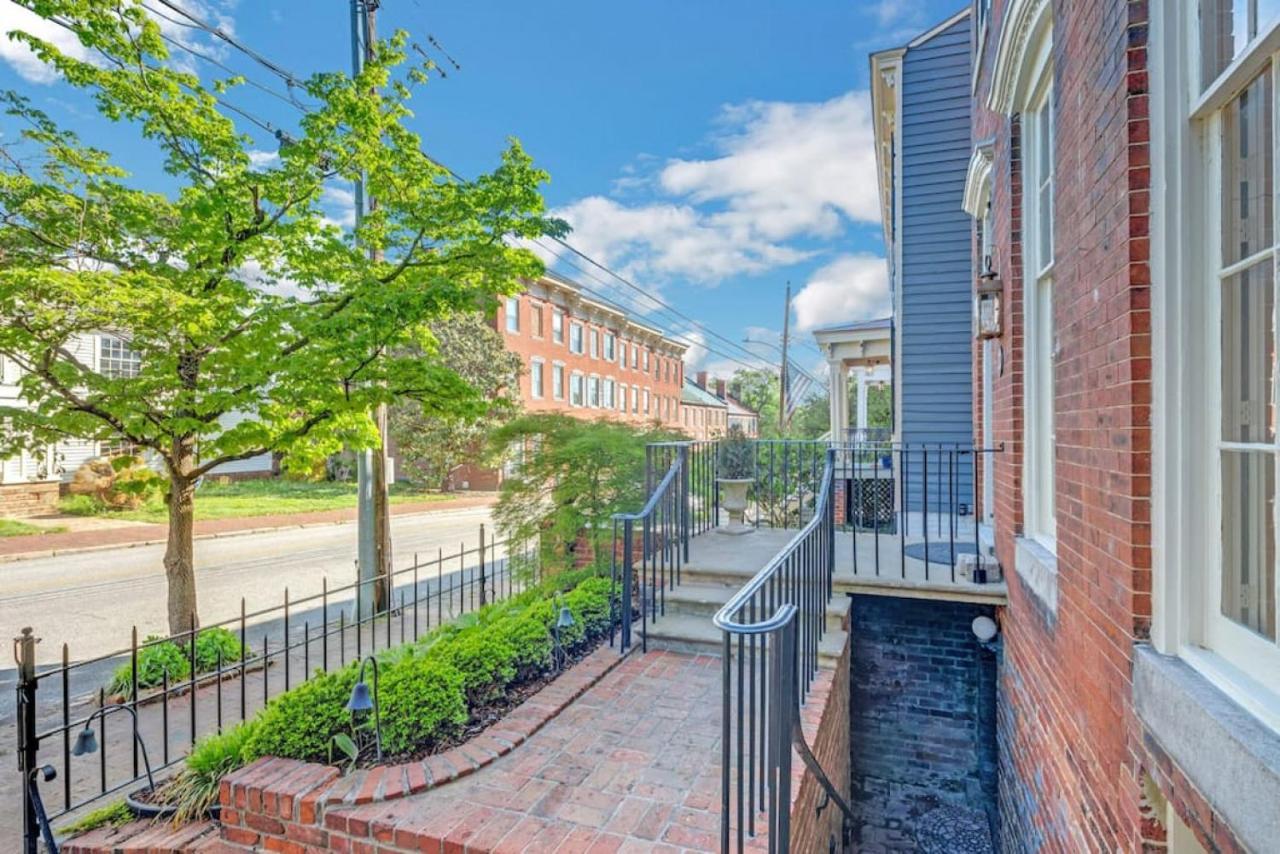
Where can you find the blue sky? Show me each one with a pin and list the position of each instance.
(710, 151)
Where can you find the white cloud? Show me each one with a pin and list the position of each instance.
(788, 169)
(782, 172)
(28, 65)
(665, 241)
(17, 18)
(852, 287)
(341, 204)
(892, 11)
(263, 159)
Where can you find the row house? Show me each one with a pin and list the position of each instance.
(704, 415)
(589, 359)
(1121, 183)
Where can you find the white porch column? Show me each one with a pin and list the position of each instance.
(863, 385)
(839, 400)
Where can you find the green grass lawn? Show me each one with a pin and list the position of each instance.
(14, 528)
(239, 499)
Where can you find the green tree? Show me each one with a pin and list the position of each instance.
(757, 388)
(573, 476)
(433, 444)
(235, 290)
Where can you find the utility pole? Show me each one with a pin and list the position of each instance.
(373, 520)
(782, 385)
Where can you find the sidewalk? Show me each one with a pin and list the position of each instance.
(143, 534)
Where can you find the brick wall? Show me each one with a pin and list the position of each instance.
(922, 706)
(1069, 751)
(826, 727)
(663, 379)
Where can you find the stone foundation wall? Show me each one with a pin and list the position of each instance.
(23, 500)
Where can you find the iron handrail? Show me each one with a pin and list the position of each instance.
(658, 492)
(723, 618)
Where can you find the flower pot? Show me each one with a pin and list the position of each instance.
(147, 809)
(733, 498)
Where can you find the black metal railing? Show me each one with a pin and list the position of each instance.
(860, 435)
(788, 477)
(912, 507)
(279, 648)
(773, 629)
(651, 546)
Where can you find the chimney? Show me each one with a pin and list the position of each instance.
(701, 379)
(720, 390)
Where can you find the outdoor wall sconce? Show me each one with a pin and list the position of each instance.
(987, 307)
(87, 741)
(362, 702)
(564, 620)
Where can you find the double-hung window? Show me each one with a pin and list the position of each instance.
(575, 389)
(635, 400)
(536, 367)
(607, 401)
(557, 326)
(595, 343)
(513, 314)
(535, 320)
(1239, 59)
(609, 346)
(575, 338)
(593, 392)
(622, 397)
(557, 381)
(1038, 309)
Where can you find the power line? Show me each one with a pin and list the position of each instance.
(292, 81)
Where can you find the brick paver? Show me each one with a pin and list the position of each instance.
(621, 769)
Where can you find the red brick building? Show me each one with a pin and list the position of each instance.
(1123, 186)
(589, 359)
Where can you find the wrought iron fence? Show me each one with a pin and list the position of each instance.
(914, 501)
(279, 648)
(772, 630)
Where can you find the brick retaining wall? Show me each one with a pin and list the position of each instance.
(825, 718)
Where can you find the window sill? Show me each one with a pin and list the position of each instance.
(1226, 752)
(1037, 567)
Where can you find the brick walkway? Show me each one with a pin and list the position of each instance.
(36, 545)
(632, 765)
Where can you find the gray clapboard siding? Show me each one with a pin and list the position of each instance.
(934, 326)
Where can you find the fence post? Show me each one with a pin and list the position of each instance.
(483, 598)
(624, 641)
(24, 654)
(685, 499)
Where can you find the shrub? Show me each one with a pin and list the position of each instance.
(421, 702)
(154, 659)
(211, 642)
(589, 602)
(195, 788)
(736, 456)
(300, 723)
(485, 659)
(530, 640)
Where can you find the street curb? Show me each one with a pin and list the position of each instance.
(47, 553)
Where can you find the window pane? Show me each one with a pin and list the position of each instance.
(1226, 27)
(1249, 355)
(1249, 540)
(1247, 166)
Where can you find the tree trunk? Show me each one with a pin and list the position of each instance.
(179, 553)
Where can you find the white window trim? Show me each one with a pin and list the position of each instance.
(557, 335)
(582, 338)
(582, 387)
(1186, 535)
(595, 342)
(512, 317)
(1038, 508)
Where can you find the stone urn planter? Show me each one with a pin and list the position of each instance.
(735, 472)
(733, 498)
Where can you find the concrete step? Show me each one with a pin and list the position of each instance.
(703, 600)
(697, 634)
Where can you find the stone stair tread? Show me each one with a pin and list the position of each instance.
(710, 594)
(698, 631)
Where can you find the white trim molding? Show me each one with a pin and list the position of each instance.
(977, 184)
(1023, 34)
